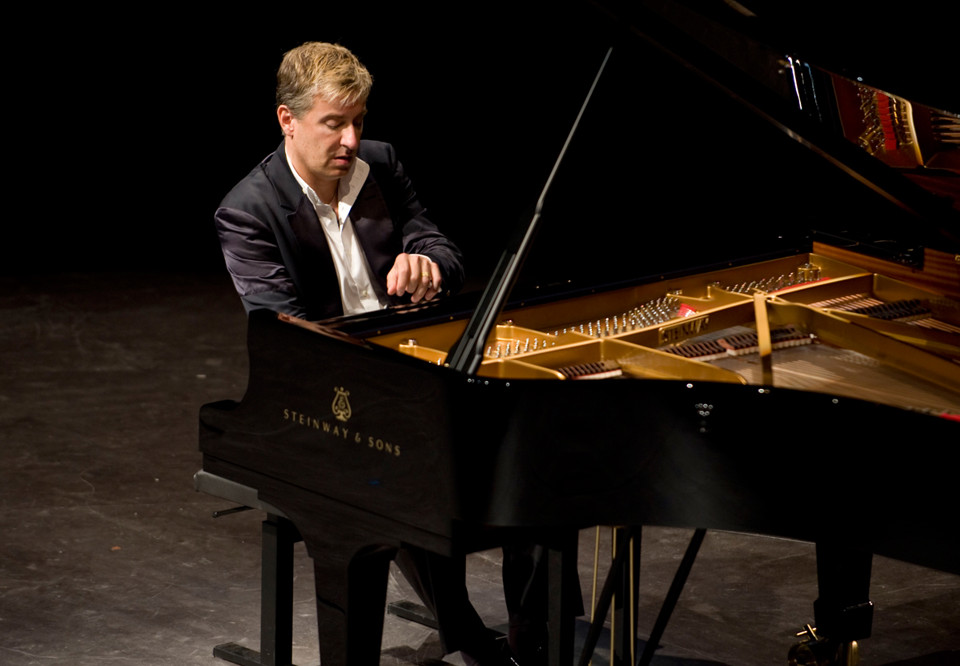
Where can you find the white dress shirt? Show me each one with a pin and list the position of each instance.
(356, 279)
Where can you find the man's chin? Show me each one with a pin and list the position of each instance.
(341, 166)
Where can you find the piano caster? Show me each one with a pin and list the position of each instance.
(817, 651)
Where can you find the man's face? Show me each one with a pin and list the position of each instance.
(322, 144)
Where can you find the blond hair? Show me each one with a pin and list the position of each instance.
(318, 68)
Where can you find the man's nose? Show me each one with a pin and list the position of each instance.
(350, 138)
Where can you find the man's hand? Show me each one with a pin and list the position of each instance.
(414, 274)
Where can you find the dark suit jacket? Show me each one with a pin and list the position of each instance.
(277, 253)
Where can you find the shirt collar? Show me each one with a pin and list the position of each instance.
(348, 189)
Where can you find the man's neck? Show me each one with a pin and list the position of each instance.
(326, 190)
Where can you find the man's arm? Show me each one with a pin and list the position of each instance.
(419, 236)
(253, 260)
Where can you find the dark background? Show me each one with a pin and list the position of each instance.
(127, 131)
(126, 137)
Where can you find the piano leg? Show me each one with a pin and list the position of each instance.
(843, 610)
(276, 602)
(351, 551)
(350, 607)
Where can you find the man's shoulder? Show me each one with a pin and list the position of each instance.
(259, 187)
(377, 153)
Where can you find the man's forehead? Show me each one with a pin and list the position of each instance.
(325, 107)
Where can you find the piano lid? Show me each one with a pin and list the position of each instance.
(879, 81)
(702, 147)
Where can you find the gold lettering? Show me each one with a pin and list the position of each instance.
(685, 329)
(346, 434)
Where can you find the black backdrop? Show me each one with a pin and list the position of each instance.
(125, 131)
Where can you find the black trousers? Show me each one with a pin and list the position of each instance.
(439, 582)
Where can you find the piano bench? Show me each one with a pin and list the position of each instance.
(278, 535)
(245, 496)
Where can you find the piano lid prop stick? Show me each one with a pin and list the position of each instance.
(763, 337)
(467, 353)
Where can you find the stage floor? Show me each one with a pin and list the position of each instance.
(109, 556)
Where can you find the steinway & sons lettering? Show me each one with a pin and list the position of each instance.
(341, 432)
(683, 330)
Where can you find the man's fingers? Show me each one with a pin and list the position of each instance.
(399, 276)
(414, 275)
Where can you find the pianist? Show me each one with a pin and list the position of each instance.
(329, 225)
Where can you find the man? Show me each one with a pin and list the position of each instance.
(328, 225)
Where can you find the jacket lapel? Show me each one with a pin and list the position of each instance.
(315, 274)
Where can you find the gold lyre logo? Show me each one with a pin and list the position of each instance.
(341, 405)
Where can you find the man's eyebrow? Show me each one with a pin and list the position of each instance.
(340, 116)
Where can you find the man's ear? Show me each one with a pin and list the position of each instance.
(285, 117)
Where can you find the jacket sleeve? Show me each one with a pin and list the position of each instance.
(255, 264)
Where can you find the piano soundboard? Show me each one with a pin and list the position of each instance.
(833, 327)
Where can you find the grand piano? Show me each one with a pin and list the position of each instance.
(779, 354)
